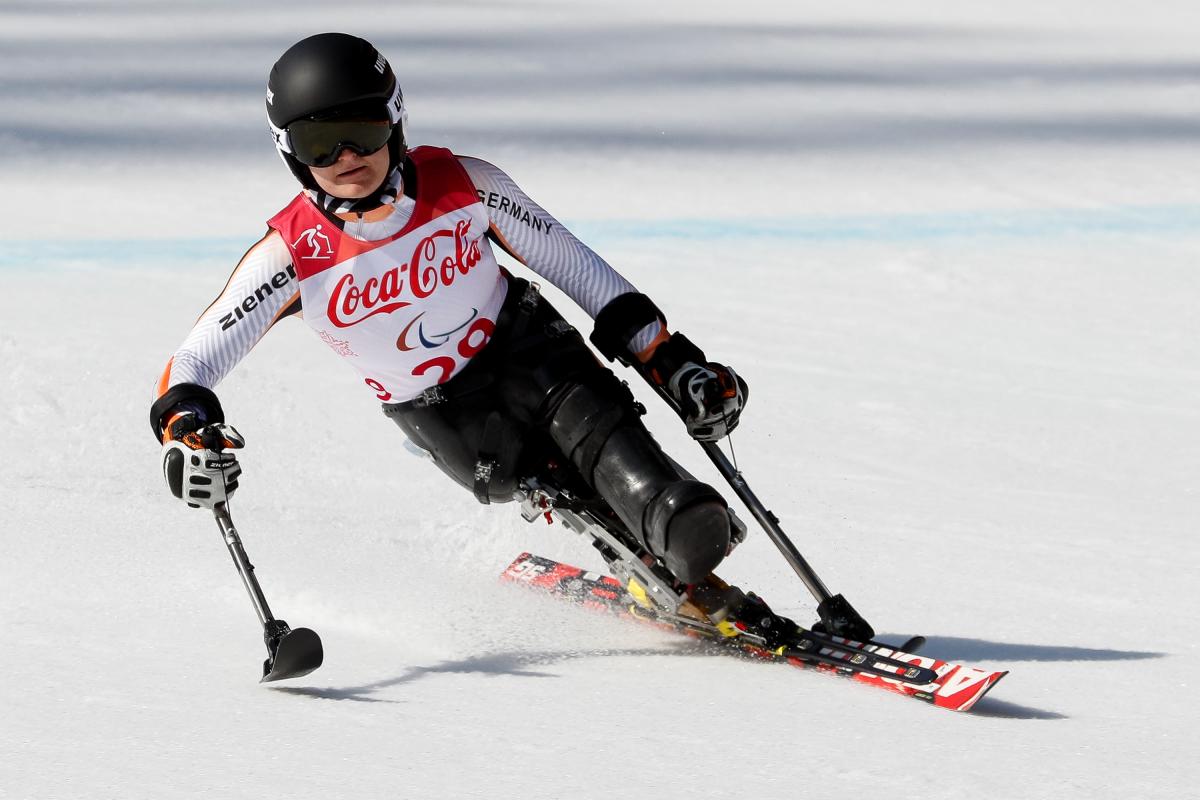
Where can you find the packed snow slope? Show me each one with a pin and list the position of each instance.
(952, 248)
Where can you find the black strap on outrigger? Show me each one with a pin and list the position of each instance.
(838, 617)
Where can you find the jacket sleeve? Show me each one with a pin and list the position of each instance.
(261, 290)
(539, 241)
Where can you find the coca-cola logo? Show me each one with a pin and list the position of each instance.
(424, 274)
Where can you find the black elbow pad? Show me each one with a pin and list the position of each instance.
(620, 320)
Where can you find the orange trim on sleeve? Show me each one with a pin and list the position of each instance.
(508, 248)
(645, 355)
(233, 274)
(165, 380)
(286, 309)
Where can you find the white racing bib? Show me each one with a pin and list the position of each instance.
(409, 311)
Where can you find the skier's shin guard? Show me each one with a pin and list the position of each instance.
(683, 522)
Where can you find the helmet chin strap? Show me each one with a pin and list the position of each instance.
(388, 191)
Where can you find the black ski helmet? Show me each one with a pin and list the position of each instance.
(328, 74)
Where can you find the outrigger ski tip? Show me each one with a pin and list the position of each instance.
(293, 653)
(290, 653)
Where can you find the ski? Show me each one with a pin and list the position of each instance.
(956, 687)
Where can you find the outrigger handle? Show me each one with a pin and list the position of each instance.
(838, 617)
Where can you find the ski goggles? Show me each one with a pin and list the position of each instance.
(318, 143)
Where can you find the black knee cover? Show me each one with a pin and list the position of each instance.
(683, 522)
(688, 525)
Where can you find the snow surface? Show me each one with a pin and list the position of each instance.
(951, 245)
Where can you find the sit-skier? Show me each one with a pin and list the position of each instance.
(388, 251)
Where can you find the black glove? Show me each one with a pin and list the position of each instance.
(710, 397)
(197, 464)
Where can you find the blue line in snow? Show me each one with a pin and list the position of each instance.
(1167, 220)
(126, 252)
(1031, 224)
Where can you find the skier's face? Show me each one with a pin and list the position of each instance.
(353, 176)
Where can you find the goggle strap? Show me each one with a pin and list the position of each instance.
(282, 140)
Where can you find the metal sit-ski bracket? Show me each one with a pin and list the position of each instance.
(626, 565)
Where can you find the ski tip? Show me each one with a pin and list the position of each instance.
(986, 687)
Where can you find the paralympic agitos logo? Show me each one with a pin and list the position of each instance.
(424, 274)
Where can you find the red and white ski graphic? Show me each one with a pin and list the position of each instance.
(948, 685)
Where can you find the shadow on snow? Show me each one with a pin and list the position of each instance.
(517, 664)
(1003, 709)
(953, 648)
(526, 664)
